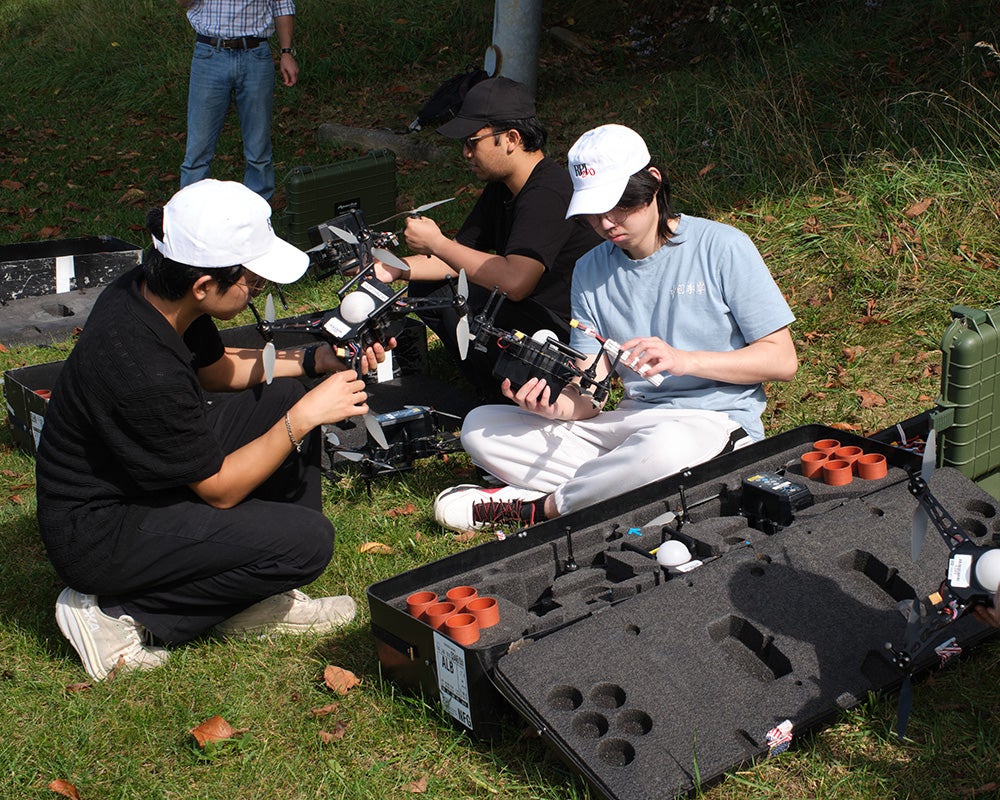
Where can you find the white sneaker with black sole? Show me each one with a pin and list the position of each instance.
(104, 643)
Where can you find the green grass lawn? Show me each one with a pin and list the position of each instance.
(857, 143)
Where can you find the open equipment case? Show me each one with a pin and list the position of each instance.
(651, 681)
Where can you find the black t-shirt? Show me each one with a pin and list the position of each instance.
(126, 423)
(533, 224)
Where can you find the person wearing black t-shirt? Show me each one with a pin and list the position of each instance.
(516, 238)
(167, 512)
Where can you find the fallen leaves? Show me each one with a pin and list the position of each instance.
(403, 511)
(65, 788)
(376, 548)
(340, 680)
(214, 729)
(870, 399)
(918, 208)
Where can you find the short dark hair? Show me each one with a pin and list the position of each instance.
(533, 133)
(642, 187)
(170, 279)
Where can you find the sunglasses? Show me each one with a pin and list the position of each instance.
(469, 142)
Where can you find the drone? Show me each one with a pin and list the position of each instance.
(412, 432)
(972, 578)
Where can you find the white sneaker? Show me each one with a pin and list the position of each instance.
(290, 612)
(470, 508)
(103, 642)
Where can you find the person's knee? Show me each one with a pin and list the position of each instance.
(307, 547)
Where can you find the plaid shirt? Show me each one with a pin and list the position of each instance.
(232, 19)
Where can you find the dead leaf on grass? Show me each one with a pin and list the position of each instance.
(339, 679)
(845, 426)
(322, 711)
(401, 511)
(65, 788)
(82, 686)
(466, 536)
(213, 729)
(918, 208)
(339, 729)
(376, 547)
(870, 399)
(419, 786)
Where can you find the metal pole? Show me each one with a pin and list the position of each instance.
(517, 28)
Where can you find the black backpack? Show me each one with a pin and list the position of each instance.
(443, 105)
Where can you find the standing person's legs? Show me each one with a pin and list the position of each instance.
(254, 103)
(209, 93)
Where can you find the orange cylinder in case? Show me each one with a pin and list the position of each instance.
(436, 614)
(837, 472)
(871, 466)
(417, 602)
(812, 463)
(826, 445)
(486, 610)
(850, 453)
(463, 628)
(460, 595)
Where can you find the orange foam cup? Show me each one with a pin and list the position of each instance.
(837, 472)
(849, 453)
(826, 445)
(871, 466)
(436, 614)
(417, 602)
(486, 610)
(463, 628)
(460, 595)
(812, 463)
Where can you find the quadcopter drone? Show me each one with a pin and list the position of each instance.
(972, 578)
(412, 432)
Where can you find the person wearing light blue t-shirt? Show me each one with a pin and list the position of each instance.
(702, 324)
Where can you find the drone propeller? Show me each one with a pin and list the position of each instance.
(269, 354)
(463, 334)
(920, 518)
(911, 608)
(387, 257)
(416, 212)
(375, 431)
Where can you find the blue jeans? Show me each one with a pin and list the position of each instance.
(217, 77)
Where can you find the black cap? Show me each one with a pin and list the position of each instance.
(493, 99)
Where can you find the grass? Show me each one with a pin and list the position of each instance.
(822, 145)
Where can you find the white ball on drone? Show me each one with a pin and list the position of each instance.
(543, 335)
(672, 553)
(988, 570)
(356, 307)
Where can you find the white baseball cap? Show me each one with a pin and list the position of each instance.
(600, 164)
(222, 224)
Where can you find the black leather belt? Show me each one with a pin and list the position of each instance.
(243, 43)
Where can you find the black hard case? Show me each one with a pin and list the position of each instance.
(649, 683)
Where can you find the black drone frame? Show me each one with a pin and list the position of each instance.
(959, 592)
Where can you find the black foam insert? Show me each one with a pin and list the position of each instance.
(648, 680)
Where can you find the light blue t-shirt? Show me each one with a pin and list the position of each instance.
(706, 289)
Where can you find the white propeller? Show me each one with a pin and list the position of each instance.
(416, 212)
(269, 355)
(462, 333)
(376, 432)
(920, 518)
(390, 259)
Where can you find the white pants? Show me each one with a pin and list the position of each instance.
(587, 461)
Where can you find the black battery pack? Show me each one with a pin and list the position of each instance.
(770, 500)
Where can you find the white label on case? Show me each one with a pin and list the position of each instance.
(453, 682)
